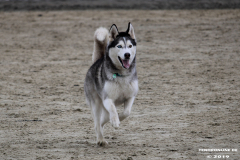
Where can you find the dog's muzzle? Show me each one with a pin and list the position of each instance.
(125, 62)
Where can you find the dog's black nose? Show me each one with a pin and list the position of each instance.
(127, 55)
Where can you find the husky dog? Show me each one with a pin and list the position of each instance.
(112, 79)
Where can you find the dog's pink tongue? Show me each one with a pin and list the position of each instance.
(126, 63)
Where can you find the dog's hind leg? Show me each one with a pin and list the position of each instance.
(127, 108)
(104, 117)
(97, 109)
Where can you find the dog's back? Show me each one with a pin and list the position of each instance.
(101, 38)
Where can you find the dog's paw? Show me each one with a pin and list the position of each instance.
(115, 122)
(102, 143)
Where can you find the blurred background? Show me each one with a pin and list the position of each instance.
(116, 4)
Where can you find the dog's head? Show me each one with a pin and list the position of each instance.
(122, 47)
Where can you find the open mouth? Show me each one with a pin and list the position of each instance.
(125, 63)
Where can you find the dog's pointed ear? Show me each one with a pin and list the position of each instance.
(113, 32)
(130, 31)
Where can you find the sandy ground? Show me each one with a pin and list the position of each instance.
(188, 65)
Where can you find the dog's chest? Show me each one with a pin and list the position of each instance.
(121, 91)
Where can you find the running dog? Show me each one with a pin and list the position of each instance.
(112, 79)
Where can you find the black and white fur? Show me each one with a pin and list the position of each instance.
(114, 54)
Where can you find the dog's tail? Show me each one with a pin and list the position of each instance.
(101, 38)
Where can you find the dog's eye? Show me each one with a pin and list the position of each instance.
(130, 46)
(119, 46)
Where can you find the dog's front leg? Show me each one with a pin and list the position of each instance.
(127, 108)
(110, 107)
